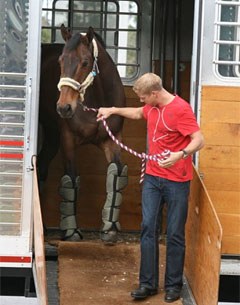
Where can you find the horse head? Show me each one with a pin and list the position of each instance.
(78, 63)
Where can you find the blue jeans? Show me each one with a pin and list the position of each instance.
(156, 191)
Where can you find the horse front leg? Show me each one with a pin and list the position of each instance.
(116, 181)
(69, 187)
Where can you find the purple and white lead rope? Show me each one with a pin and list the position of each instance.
(143, 156)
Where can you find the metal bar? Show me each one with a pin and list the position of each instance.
(10, 186)
(12, 99)
(162, 53)
(12, 111)
(227, 23)
(11, 124)
(227, 2)
(10, 174)
(13, 74)
(8, 224)
(11, 211)
(11, 149)
(53, 30)
(70, 13)
(176, 48)
(230, 42)
(84, 29)
(11, 161)
(226, 62)
(217, 30)
(11, 137)
(17, 87)
(10, 198)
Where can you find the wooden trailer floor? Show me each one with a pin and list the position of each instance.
(89, 272)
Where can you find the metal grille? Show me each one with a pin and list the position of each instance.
(116, 21)
(227, 39)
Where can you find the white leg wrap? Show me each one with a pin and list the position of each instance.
(68, 190)
(114, 184)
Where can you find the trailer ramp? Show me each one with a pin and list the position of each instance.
(39, 262)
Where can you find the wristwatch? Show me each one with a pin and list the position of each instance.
(185, 154)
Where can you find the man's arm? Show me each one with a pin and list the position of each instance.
(197, 142)
(135, 113)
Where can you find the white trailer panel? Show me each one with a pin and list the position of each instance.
(20, 26)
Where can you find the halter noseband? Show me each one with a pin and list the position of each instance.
(81, 88)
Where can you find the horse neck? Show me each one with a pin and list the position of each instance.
(107, 70)
(107, 89)
(105, 62)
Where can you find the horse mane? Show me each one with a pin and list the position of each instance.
(100, 39)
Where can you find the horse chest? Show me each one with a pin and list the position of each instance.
(82, 128)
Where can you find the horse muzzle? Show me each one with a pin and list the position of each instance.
(66, 111)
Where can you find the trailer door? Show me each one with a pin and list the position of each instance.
(19, 79)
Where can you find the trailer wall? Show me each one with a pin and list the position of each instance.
(219, 161)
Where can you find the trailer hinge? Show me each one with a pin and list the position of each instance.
(31, 168)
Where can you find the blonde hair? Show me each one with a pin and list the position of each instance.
(147, 83)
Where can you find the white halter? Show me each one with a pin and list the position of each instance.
(81, 88)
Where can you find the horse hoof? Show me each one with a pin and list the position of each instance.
(76, 235)
(109, 237)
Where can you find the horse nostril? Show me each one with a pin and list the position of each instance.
(65, 111)
(67, 108)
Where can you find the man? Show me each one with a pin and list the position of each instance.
(171, 125)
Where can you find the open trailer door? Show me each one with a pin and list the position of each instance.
(203, 239)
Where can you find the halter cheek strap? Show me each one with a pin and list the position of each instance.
(81, 87)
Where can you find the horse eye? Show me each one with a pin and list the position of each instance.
(85, 63)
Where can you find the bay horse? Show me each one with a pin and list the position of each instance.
(87, 78)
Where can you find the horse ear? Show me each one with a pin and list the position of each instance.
(66, 34)
(90, 34)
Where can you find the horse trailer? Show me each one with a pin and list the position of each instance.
(195, 47)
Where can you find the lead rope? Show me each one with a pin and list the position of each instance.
(143, 156)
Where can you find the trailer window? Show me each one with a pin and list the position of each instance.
(227, 39)
(116, 21)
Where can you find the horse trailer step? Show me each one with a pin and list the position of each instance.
(229, 284)
(16, 300)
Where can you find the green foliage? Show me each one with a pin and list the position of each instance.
(46, 36)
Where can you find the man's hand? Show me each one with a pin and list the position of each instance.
(104, 113)
(174, 157)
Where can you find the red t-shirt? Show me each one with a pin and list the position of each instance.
(170, 127)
